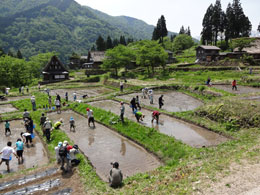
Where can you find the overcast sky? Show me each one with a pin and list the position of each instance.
(176, 12)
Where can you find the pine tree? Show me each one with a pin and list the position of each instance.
(160, 30)
(19, 54)
(109, 43)
(216, 20)
(173, 37)
(115, 42)
(93, 48)
(258, 28)
(101, 45)
(206, 34)
(130, 40)
(10, 53)
(156, 34)
(187, 31)
(122, 40)
(2, 52)
(182, 30)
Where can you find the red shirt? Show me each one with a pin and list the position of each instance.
(234, 83)
(69, 147)
(156, 113)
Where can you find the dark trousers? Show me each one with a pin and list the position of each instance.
(122, 117)
(48, 134)
(234, 87)
(28, 139)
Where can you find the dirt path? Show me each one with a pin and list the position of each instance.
(243, 179)
(188, 133)
(173, 101)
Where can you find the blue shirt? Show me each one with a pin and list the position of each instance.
(19, 145)
(7, 125)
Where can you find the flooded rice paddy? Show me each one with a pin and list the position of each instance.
(7, 108)
(35, 155)
(103, 146)
(190, 134)
(90, 92)
(173, 101)
(11, 99)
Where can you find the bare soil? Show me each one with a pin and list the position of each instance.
(7, 108)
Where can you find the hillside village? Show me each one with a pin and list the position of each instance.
(132, 109)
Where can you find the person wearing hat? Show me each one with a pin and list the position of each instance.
(72, 124)
(57, 148)
(90, 117)
(47, 128)
(75, 150)
(58, 124)
(63, 153)
(122, 111)
(115, 176)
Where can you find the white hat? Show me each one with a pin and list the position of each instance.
(65, 143)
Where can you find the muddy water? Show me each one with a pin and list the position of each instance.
(7, 108)
(173, 101)
(10, 99)
(256, 98)
(240, 89)
(102, 146)
(33, 156)
(91, 92)
(187, 133)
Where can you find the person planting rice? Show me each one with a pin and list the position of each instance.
(72, 124)
(90, 117)
(139, 116)
(155, 115)
(7, 155)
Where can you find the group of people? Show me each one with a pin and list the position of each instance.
(21, 89)
(25, 138)
(65, 154)
(234, 83)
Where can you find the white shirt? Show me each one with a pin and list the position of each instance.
(90, 113)
(57, 102)
(7, 152)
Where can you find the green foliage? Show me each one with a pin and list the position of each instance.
(120, 56)
(241, 43)
(150, 54)
(160, 30)
(60, 26)
(182, 42)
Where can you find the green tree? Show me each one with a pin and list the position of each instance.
(115, 42)
(122, 40)
(150, 54)
(182, 42)
(118, 57)
(206, 34)
(160, 30)
(241, 43)
(187, 31)
(109, 43)
(100, 43)
(19, 54)
(173, 37)
(10, 53)
(38, 62)
(2, 52)
(182, 30)
(258, 28)
(216, 20)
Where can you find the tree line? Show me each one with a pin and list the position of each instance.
(220, 25)
(102, 44)
(17, 72)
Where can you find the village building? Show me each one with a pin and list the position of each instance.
(54, 71)
(170, 59)
(207, 53)
(94, 60)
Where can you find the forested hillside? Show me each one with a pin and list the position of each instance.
(63, 26)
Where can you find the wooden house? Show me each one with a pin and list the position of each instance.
(170, 59)
(54, 71)
(95, 59)
(207, 53)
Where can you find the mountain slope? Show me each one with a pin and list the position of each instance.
(62, 26)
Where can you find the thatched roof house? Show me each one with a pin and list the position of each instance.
(55, 71)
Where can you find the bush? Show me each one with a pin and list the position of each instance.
(92, 79)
